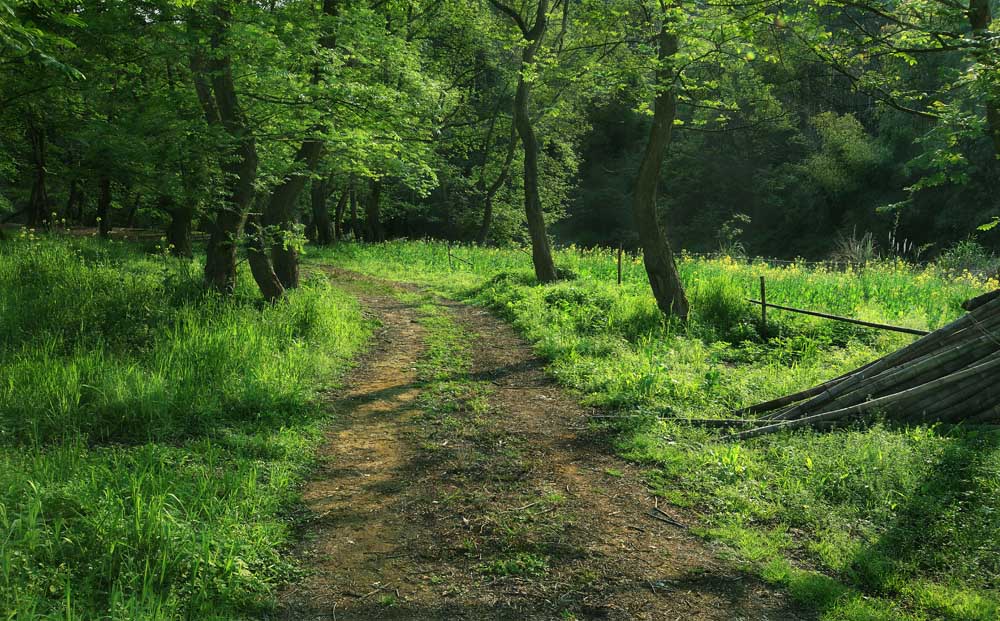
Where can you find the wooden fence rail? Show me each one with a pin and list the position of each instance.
(868, 324)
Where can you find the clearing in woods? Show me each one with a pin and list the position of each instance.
(455, 483)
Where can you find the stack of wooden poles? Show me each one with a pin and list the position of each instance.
(951, 375)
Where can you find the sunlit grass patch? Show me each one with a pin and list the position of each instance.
(152, 435)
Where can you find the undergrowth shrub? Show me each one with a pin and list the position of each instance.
(969, 256)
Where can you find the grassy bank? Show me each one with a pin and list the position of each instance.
(866, 523)
(151, 434)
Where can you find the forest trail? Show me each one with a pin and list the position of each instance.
(499, 510)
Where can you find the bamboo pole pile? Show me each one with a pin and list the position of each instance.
(949, 376)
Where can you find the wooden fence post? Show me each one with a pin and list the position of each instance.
(763, 308)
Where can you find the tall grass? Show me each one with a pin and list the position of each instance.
(925, 296)
(871, 523)
(716, 362)
(151, 434)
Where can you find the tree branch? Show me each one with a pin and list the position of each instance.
(511, 13)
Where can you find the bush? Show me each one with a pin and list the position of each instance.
(969, 256)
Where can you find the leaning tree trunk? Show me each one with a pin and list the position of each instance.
(541, 252)
(657, 255)
(260, 266)
(373, 222)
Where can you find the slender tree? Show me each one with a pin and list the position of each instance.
(533, 34)
(489, 192)
(658, 257)
(338, 215)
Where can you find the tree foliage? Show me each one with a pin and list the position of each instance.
(367, 120)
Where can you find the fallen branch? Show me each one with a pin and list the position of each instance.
(381, 588)
(656, 513)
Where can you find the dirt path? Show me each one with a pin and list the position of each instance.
(497, 508)
(353, 532)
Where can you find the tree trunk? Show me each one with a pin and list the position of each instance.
(993, 124)
(980, 18)
(73, 199)
(373, 224)
(657, 255)
(338, 216)
(38, 203)
(285, 257)
(279, 212)
(179, 227)
(355, 225)
(309, 222)
(216, 91)
(321, 213)
(81, 207)
(104, 206)
(133, 211)
(541, 252)
(490, 193)
(483, 235)
(227, 227)
(220, 253)
(257, 248)
(280, 207)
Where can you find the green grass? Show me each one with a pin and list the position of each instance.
(152, 435)
(863, 523)
(520, 564)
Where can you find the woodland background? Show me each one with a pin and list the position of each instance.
(801, 127)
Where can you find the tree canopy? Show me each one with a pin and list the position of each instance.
(643, 123)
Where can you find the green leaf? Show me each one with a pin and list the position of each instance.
(989, 225)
